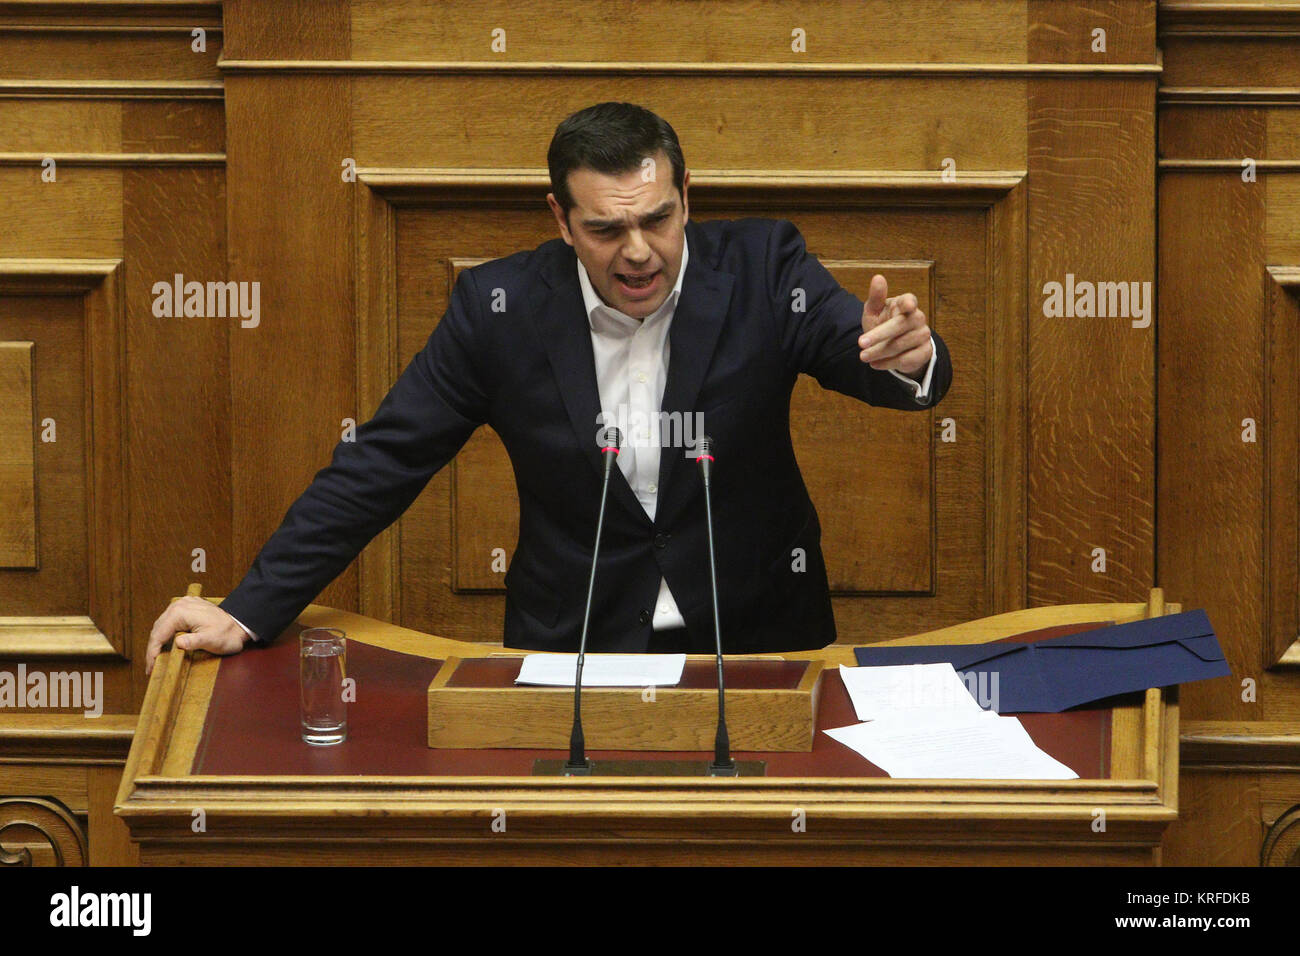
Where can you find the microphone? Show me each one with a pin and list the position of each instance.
(722, 765)
(578, 764)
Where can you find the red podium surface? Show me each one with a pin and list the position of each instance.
(386, 724)
(222, 734)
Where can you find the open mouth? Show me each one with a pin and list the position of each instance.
(637, 283)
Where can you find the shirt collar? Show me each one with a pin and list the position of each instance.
(592, 301)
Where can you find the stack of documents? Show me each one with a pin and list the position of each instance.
(919, 720)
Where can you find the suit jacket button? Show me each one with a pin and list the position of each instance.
(644, 616)
(661, 540)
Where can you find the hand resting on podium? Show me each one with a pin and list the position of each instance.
(197, 625)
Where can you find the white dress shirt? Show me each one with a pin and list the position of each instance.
(631, 371)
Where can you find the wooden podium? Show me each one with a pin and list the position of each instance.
(217, 774)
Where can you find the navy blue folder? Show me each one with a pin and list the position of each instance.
(1062, 672)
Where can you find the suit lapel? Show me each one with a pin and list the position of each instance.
(693, 336)
(566, 336)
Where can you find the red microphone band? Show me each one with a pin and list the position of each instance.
(702, 457)
(609, 448)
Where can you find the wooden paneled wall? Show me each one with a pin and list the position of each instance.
(1041, 456)
(349, 156)
(1228, 481)
(115, 470)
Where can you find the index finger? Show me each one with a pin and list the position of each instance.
(163, 631)
(166, 627)
(170, 623)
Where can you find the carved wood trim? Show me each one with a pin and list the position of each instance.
(1281, 845)
(52, 821)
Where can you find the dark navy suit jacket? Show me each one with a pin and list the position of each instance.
(737, 346)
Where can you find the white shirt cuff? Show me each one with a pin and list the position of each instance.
(922, 388)
(250, 634)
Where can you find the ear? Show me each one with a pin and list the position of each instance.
(560, 218)
(686, 207)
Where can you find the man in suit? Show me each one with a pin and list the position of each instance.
(635, 317)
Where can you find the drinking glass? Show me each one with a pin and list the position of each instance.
(321, 672)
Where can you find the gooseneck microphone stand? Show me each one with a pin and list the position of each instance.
(578, 764)
(723, 765)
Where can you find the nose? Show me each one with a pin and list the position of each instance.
(636, 251)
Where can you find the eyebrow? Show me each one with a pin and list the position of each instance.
(664, 207)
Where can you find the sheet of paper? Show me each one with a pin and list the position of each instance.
(907, 688)
(952, 746)
(603, 670)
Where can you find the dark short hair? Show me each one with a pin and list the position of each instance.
(610, 138)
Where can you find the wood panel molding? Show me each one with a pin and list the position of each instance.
(123, 16)
(904, 557)
(1235, 19)
(66, 636)
(1240, 746)
(114, 89)
(376, 305)
(1228, 96)
(1225, 165)
(66, 738)
(114, 159)
(1281, 644)
(1001, 193)
(99, 283)
(697, 68)
(54, 276)
(18, 524)
(759, 188)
